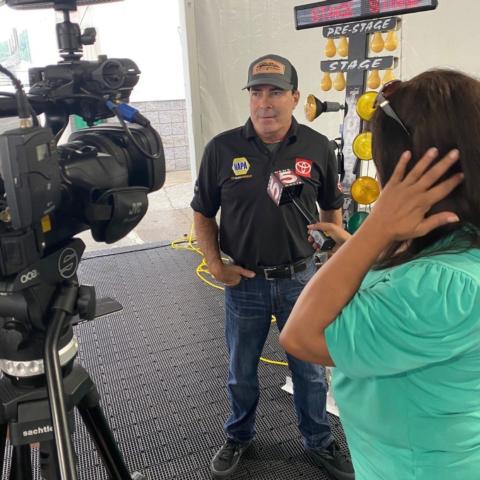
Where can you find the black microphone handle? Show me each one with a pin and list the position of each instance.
(323, 241)
(307, 217)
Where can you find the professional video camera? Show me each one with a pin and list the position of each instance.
(98, 180)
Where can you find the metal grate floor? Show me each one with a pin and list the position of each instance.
(160, 366)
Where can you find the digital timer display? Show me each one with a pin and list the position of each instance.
(330, 12)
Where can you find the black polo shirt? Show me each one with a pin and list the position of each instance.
(234, 174)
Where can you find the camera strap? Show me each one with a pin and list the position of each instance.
(116, 212)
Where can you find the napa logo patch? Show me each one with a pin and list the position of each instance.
(240, 166)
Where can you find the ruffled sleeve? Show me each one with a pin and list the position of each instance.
(418, 314)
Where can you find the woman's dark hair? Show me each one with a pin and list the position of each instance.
(440, 108)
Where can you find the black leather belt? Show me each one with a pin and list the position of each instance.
(281, 271)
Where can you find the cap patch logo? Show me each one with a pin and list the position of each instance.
(240, 166)
(303, 167)
(268, 66)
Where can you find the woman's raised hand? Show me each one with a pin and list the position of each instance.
(406, 198)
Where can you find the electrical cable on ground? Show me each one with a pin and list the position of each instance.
(201, 272)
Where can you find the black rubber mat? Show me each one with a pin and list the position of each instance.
(160, 366)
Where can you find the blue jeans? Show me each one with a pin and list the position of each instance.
(249, 307)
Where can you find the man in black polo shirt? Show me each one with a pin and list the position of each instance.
(270, 252)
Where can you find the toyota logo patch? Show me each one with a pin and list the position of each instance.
(303, 167)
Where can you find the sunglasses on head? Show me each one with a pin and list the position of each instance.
(382, 102)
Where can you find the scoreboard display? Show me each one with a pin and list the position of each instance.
(330, 12)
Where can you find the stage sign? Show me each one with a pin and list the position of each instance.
(372, 63)
(330, 12)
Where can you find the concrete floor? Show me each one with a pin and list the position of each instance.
(169, 215)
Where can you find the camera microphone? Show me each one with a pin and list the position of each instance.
(284, 186)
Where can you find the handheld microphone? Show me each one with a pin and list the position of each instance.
(284, 186)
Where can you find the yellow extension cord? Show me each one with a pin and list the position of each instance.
(202, 271)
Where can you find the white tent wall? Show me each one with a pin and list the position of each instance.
(145, 31)
(222, 37)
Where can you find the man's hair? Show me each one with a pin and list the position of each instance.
(440, 108)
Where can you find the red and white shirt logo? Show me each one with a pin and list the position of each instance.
(303, 167)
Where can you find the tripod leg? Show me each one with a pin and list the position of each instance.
(21, 463)
(49, 461)
(101, 434)
(3, 441)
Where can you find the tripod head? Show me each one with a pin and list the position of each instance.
(26, 306)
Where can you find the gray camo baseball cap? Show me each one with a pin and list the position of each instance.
(272, 70)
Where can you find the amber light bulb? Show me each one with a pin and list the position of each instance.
(310, 108)
(391, 42)
(342, 46)
(365, 105)
(339, 83)
(362, 146)
(330, 49)
(377, 44)
(373, 80)
(365, 190)
(326, 83)
(388, 76)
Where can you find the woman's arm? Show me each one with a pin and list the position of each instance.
(399, 214)
(331, 216)
(328, 292)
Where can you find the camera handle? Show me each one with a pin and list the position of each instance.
(70, 39)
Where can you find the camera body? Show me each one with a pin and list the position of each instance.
(49, 192)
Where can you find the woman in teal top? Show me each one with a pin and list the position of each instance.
(397, 308)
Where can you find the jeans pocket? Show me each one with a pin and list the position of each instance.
(238, 285)
(305, 275)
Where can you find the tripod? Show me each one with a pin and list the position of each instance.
(37, 397)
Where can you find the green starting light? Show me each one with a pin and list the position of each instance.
(355, 221)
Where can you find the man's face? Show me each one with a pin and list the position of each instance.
(271, 111)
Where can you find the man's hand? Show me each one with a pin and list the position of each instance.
(207, 235)
(229, 275)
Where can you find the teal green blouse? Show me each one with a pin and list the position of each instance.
(407, 376)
